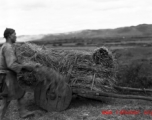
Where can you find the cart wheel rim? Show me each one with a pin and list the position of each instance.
(37, 93)
(60, 103)
(52, 101)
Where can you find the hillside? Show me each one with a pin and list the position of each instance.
(132, 31)
(142, 30)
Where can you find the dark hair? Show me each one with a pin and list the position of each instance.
(8, 32)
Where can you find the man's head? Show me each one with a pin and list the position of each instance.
(10, 34)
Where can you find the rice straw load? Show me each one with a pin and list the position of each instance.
(92, 70)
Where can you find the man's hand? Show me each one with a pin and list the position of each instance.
(30, 67)
(27, 68)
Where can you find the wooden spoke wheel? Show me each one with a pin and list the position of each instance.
(51, 101)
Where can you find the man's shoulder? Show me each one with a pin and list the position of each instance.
(6, 45)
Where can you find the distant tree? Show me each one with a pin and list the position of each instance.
(60, 44)
(54, 44)
(80, 44)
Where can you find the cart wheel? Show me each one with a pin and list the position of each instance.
(37, 93)
(51, 101)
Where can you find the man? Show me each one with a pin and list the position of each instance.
(9, 67)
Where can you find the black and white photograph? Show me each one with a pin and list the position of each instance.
(75, 59)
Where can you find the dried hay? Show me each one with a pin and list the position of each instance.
(83, 68)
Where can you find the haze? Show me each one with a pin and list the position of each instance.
(29, 17)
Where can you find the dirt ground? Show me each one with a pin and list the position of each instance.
(87, 109)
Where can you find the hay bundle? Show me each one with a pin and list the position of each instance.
(103, 56)
(91, 69)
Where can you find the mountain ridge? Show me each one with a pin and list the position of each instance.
(141, 30)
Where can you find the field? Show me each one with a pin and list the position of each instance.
(134, 66)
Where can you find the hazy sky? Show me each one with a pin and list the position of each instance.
(56, 16)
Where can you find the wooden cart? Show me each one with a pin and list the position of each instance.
(59, 103)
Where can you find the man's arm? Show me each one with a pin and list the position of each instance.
(11, 60)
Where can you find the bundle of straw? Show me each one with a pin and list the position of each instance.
(92, 69)
(103, 56)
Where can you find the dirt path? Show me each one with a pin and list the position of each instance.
(86, 109)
